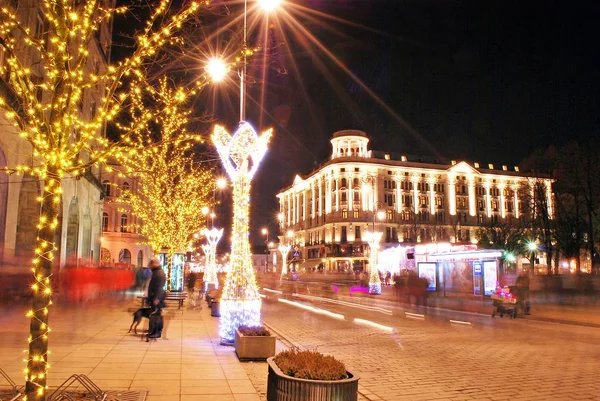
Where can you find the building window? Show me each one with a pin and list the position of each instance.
(344, 214)
(104, 222)
(355, 214)
(357, 233)
(123, 223)
(390, 214)
(480, 219)
(344, 183)
(106, 187)
(344, 235)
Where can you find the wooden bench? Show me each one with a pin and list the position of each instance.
(180, 297)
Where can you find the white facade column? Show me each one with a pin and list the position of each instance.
(304, 205)
(431, 182)
(337, 194)
(471, 191)
(451, 194)
(320, 183)
(488, 199)
(350, 194)
(516, 200)
(328, 193)
(415, 182)
(289, 208)
(398, 196)
(312, 200)
(502, 188)
(375, 190)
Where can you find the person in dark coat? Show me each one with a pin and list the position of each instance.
(156, 288)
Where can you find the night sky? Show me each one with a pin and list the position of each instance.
(483, 80)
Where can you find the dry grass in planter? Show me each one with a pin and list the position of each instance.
(259, 331)
(311, 365)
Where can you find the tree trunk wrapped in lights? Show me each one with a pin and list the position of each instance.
(210, 272)
(46, 109)
(241, 155)
(373, 238)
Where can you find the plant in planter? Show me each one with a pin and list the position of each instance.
(309, 376)
(254, 343)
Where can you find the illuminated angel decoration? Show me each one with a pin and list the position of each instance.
(210, 273)
(373, 238)
(241, 155)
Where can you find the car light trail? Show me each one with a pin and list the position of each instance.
(313, 309)
(353, 305)
(387, 329)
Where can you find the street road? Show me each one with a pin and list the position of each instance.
(414, 355)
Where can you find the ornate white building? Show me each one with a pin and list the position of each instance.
(122, 245)
(410, 201)
(81, 213)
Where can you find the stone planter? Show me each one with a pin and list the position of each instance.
(281, 387)
(257, 348)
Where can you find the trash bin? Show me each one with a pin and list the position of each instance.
(214, 308)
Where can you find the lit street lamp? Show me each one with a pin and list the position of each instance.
(532, 247)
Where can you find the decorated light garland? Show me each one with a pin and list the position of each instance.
(241, 155)
(373, 238)
(213, 236)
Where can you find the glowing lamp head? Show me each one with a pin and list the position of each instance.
(204, 210)
(269, 5)
(380, 215)
(264, 231)
(280, 217)
(217, 69)
(221, 183)
(290, 234)
(532, 246)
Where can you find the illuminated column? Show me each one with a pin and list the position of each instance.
(320, 196)
(240, 155)
(350, 193)
(549, 199)
(452, 194)
(472, 203)
(515, 189)
(284, 249)
(328, 193)
(415, 182)
(295, 205)
(502, 187)
(373, 238)
(398, 195)
(431, 182)
(375, 189)
(304, 205)
(213, 236)
(312, 200)
(289, 208)
(337, 194)
(488, 198)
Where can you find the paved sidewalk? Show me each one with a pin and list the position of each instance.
(92, 339)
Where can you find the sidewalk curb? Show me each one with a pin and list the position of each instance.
(290, 343)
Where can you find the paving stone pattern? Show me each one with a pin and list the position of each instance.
(92, 339)
(421, 360)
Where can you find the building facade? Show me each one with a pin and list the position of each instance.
(78, 240)
(122, 245)
(327, 213)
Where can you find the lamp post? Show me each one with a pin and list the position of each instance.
(532, 247)
(241, 154)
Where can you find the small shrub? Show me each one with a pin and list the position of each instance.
(310, 365)
(254, 331)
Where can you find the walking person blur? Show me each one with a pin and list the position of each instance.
(522, 285)
(156, 296)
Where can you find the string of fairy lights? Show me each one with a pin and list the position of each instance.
(374, 238)
(42, 100)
